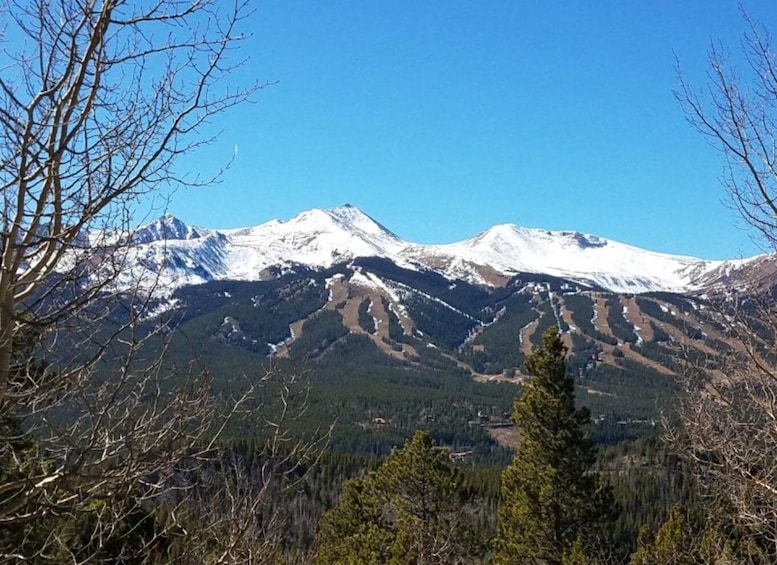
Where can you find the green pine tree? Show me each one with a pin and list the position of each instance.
(355, 531)
(410, 510)
(674, 544)
(551, 500)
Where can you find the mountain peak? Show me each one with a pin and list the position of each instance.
(497, 231)
(166, 227)
(355, 217)
(346, 219)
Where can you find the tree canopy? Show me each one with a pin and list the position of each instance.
(410, 510)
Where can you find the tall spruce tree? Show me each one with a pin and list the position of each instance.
(552, 504)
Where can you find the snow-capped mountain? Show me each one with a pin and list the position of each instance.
(181, 254)
(315, 238)
(167, 227)
(588, 259)
(173, 254)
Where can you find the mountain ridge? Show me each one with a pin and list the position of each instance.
(321, 238)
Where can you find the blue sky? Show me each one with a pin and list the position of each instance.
(440, 119)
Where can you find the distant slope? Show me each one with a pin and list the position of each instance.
(626, 351)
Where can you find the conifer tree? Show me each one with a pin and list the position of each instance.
(410, 510)
(551, 501)
(674, 544)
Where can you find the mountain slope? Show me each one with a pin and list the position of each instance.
(316, 238)
(626, 351)
(400, 335)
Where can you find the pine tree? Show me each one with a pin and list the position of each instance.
(550, 498)
(355, 531)
(410, 510)
(675, 543)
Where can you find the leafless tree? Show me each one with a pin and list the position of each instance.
(728, 427)
(247, 506)
(98, 99)
(729, 417)
(737, 112)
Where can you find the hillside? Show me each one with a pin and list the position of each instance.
(406, 346)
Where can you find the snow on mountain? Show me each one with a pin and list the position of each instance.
(317, 238)
(585, 258)
(166, 228)
(757, 272)
(166, 264)
(170, 254)
(183, 254)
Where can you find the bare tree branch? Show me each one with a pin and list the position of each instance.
(98, 432)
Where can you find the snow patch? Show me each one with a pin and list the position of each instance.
(161, 308)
